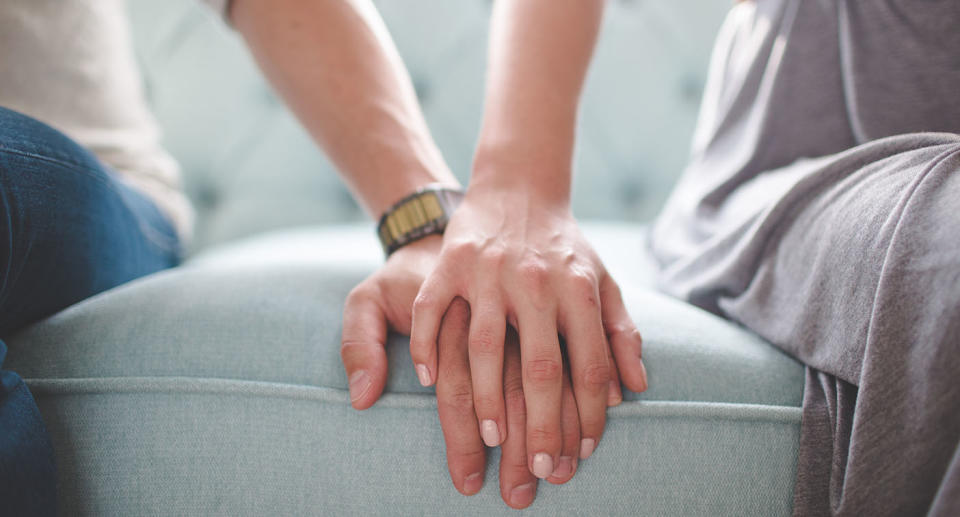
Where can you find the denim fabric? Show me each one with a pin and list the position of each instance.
(69, 230)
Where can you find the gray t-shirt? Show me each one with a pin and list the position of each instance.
(820, 209)
(792, 83)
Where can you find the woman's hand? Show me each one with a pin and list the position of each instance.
(466, 455)
(518, 257)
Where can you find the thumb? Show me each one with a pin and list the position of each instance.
(362, 347)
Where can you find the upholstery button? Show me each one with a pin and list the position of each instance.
(206, 197)
(691, 89)
(422, 90)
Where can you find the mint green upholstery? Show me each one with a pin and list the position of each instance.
(216, 388)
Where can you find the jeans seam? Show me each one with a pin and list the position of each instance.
(89, 171)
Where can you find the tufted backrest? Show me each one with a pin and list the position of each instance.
(249, 167)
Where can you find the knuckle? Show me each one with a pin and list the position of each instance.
(462, 250)
(483, 342)
(515, 462)
(513, 397)
(596, 376)
(541, 435)
(534, 274)
(584, 288)
(359, 293)
(456, 401)
(486, 404)
(469, 457)
(493, 257)
(424, 302)
(543, 370)
(617, 327)
(347, 346)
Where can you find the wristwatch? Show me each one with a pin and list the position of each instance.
(425, 212)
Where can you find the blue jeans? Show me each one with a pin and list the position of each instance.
(68, 230)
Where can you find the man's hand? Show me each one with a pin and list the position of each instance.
(384, 300)
(380, 303)
(466, 455)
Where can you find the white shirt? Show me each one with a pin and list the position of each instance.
(70, 64)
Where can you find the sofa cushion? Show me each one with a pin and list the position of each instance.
(217, 388)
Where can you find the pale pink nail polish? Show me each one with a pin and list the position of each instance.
(359, 383)
(586, 447)
(542, 465)
(423, 374)
(490, 433)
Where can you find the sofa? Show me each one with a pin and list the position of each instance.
(216, 388)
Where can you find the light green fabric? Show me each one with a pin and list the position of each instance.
(217, 388)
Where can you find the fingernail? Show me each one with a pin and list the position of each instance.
(614, 396)
(359, 383)
(423, 374)
(542, 465)
(490, 433)
(473, 483)
(521, 495)
(564, 467)
(643, 377)
(586, 447)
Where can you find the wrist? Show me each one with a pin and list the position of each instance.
(541, 183)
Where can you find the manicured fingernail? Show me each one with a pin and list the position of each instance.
(359, 383)
(423, 374)
(564, 467)
(521, 495)
(490, 433)
(586, 447)
(542, 465)
(643, 377)
(473, 483)
(614, 396)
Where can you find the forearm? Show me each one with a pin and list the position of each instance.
(336, 67)
(538, 58)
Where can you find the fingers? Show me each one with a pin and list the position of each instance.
(431, 303)
(362, 346)
(570, 425)
(466, 455)
(542, 374)
(625, 340)
(615, 394)
(588, 354)
(487, 328)
(518, 486)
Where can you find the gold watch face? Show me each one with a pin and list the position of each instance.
(420, 214)
(413, 214)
